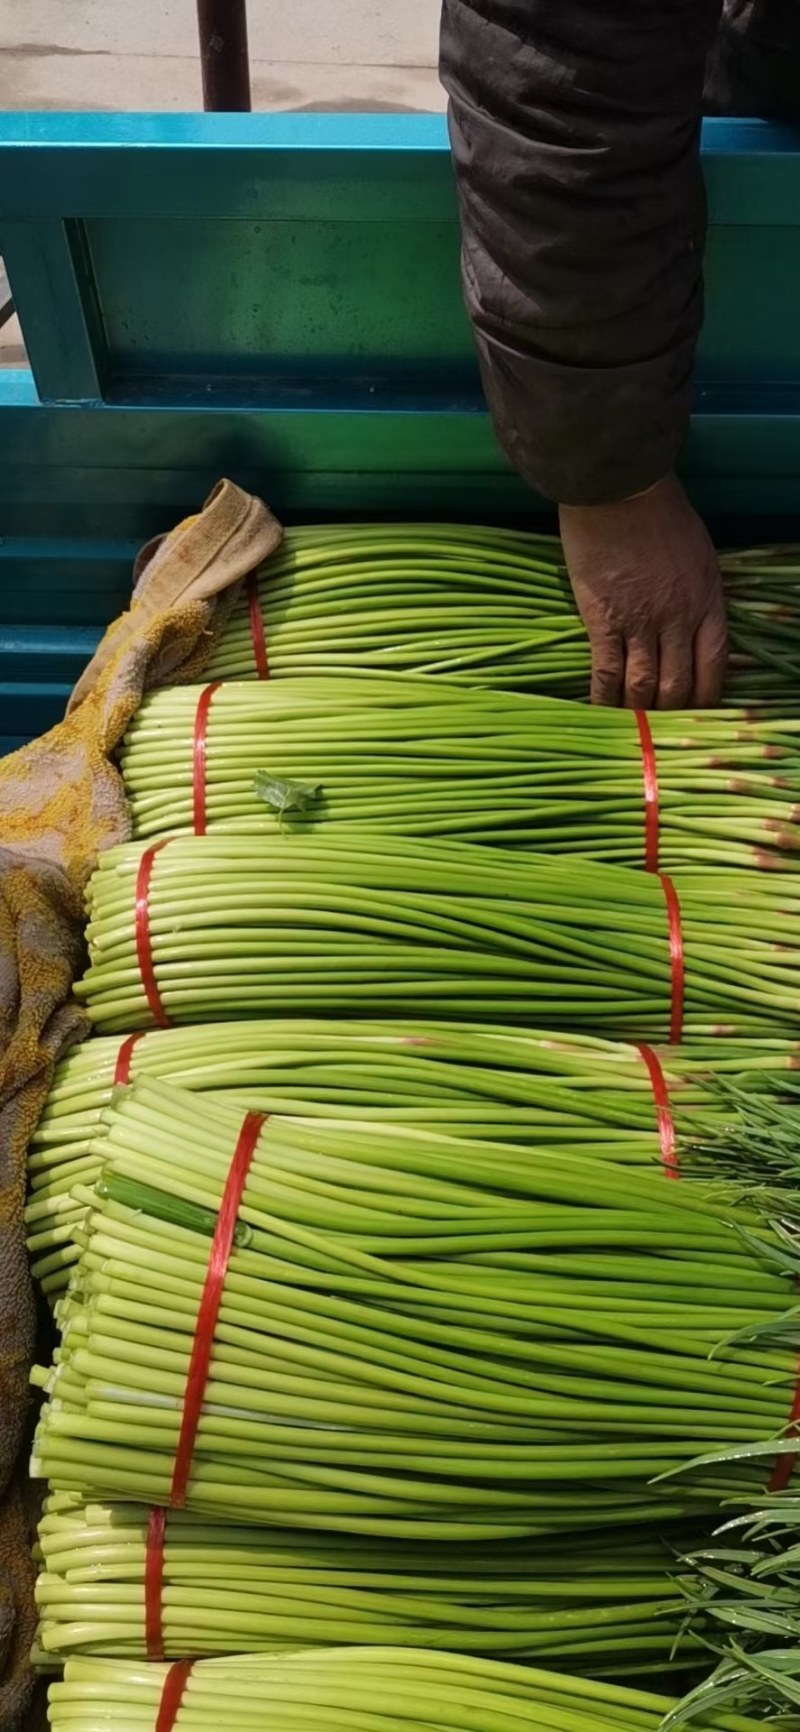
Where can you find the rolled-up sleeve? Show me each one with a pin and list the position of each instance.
(575, 137)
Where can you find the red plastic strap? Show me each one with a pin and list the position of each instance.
(199, 759)
(650, 774)
(666, 1125)
(122, 1068)
(786, 1464)
(154, 1584)
(172, 1695)
(257, 627)
(144, 949)
(676, 960)
(210, 1301)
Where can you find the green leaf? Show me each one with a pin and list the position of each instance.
(285, 796)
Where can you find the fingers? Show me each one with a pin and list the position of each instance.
(641, 673)
(672, 674)
(648, 588)
(608, 669)
(710, 659)
(675, 670)
(682, 673)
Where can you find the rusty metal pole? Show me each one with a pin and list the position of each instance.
(224, 58)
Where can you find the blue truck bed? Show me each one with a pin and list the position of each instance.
(277, 298)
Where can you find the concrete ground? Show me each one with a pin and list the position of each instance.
(136, 54)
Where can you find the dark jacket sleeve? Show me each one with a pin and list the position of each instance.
(754, 68)
(575, 134)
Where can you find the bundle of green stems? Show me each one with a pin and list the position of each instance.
(602, 1602)
(419, 1337)
(426, 758)
(463, 1312)
(363, 923)
(483, 605)
(360, 1690)
(539, 1090)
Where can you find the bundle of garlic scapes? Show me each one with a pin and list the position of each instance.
(538, 1090)
(418, 1337)
(483, 605)
(364, 1690)
(427, 758)
(599, 1602)
(363, 923)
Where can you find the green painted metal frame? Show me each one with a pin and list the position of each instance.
(277, 298)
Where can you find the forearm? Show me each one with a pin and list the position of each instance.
(575, 140)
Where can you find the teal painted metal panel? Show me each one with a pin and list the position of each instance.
(277, 298)
(253, 257)
(231, 166)
(242, 166)
(285, 303)
(752, 333)
(30, 707)
(50, 264)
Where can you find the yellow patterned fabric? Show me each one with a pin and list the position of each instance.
(17, 1607)
(61, 803)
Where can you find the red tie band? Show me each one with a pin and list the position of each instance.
(172, 1695)
(122, 1068)
(256, 618)
(199, 759)
(652, 839)
(154, 1584)
(650, 776)
(677, 966)
(144, 948)
(666, 1125)
(785, 1464)
(210, 1301)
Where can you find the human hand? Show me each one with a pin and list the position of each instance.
(649, 592)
